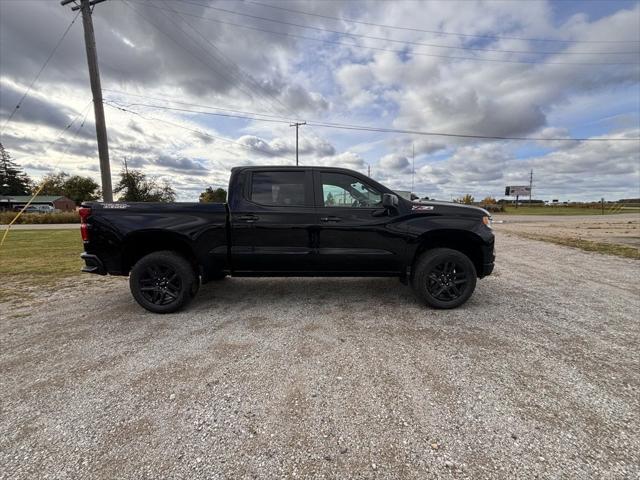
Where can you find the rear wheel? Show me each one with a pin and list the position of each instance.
(163, 282)
(444, 278)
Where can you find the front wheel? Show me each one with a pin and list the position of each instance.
(163, 282)
(444, 278)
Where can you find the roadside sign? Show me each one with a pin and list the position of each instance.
(517, 191)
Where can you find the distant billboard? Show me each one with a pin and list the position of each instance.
(517, 191)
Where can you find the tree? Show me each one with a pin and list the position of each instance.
(75, 187)
(467, 199)
(52, 184)
(489, 201)
(134, 186)
(13, 181)
(81, 189)
(210, 195)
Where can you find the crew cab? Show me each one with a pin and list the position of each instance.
(289, 221)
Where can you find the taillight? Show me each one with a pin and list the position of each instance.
(84, 228)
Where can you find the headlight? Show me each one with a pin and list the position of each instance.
(487, 220)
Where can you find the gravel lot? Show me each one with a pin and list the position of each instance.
(537, 376)
(619, 229)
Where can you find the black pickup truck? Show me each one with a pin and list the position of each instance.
(289, 221)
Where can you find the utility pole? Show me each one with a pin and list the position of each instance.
(94, 76)
(297, 125)
(369, 170)
(413, 165)
(530, 185)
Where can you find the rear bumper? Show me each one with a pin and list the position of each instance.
(93, 264)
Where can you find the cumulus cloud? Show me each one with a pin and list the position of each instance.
(182, 164)
(395, 162)
(163, 53)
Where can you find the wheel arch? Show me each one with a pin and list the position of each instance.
(463, 241)
(138, 244)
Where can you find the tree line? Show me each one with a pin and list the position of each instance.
(132, 186)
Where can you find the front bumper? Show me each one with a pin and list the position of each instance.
(93, 264)
(488, 253)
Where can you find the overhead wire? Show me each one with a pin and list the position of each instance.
(201, 132)
(406, 42)
(84, 113)
(44, 65)
(247, 116)
(241, 72)
(392, 50)
(436, 32)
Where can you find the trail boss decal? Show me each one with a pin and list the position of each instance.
(115, 205)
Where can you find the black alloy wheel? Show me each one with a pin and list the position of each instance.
(444, 278)
(160, 284)
(163, 282)
(447, 281)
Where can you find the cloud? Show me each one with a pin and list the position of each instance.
(194, 60)
(395, 162)
(182, 164)
(34, 109)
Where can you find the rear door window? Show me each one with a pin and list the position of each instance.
(286, 189)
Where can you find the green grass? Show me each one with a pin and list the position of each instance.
(541, 210)
(625, 251)
(31, 258)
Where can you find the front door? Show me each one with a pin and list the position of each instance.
(355, 233)
(274, 225)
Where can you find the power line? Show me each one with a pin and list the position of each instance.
(201, 112)
(180, 102)
(242, 76)
(460, 135)
(42, 185)
(190, 52)
(44, 65)
(368, 128)
(402, 52)
(439, 32)
(242, 73)
(405, 42)
(201, 132)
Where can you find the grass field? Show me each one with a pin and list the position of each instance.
(36, 258)
(624, 251)
(542, 210)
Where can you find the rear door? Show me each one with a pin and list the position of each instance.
(355, 233)
(274, 225)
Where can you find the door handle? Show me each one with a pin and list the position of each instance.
(248, 218)
(330, 219)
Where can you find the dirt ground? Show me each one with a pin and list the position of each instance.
(537, 376)
(619, 229)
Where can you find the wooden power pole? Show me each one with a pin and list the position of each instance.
(96, 90)
(297, 125)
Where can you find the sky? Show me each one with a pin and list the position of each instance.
(534, 69)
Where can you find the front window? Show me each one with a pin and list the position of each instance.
(340, 190)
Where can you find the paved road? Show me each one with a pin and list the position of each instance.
(43, 226)
(568, 219)
(538, 376)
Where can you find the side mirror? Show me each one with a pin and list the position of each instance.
(389, 200)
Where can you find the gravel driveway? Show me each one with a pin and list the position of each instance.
(537, 376)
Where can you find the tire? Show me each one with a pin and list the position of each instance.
(444, 278)
(163, 282)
